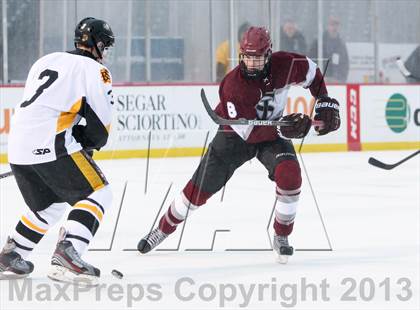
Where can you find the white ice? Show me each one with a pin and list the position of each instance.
(371, 217)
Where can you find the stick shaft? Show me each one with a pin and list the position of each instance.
(223, 121)
(382, 165)
(6, 174)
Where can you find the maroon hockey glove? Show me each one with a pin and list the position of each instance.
(327, 110)
(299, 129)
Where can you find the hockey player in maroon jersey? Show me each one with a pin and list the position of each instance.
(256, 88)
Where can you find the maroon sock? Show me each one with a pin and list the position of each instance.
(194, 195)
(282, 229)
(167, 226)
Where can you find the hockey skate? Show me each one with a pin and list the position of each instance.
(151, 240)
(12, 265)
(68, 267)
(282, 248)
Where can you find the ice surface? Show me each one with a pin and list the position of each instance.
(371, 219)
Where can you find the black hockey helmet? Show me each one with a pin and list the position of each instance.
(94, 33)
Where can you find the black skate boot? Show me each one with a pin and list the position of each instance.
(282, 248)
(67, 266)
(12, 265)
(151, 240)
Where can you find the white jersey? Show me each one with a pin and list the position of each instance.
(61, 89)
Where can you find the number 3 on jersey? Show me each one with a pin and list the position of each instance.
(231, 109)
(52, 76)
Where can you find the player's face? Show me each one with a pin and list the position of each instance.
(254, 62)
(107, 55)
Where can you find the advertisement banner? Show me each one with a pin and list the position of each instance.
(390, 116)
(159, 117)
(170, 120)
(353, 117)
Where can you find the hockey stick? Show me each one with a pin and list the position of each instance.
(404, 71)
(379, 164)
(256, 122)
(6, 174)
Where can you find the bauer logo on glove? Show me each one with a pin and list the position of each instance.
(327, 110)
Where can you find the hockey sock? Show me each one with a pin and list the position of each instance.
(177, 212)
(288, 179)
(84, 220)
(190, 199)
(33, 226)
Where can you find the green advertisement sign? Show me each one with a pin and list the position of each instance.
(397, 113)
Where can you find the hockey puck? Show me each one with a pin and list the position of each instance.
(117, 274)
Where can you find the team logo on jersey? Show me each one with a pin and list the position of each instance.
(106, 77)
(41, 151)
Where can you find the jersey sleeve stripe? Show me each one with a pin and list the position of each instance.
(310, 75)
(60, 144)
(66, 119)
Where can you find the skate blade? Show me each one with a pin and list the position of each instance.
(10, 275)
(282, 259)
(65, 275)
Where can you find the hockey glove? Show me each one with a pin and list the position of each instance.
(299, 128)
(267, 109)
(327, 110)
(78, 132)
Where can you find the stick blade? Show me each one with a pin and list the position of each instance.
(6, 174)
(209, 110)
(379, 164)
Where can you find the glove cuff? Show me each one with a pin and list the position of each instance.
(323, 97)
(280, 134)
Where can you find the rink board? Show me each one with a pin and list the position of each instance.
(170, 120)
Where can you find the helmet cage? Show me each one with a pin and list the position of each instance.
(253, 73)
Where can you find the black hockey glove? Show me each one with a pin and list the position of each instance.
(78, 132)
(327, 110)
(299, 129)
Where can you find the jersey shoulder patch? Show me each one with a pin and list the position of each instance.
(106, 77)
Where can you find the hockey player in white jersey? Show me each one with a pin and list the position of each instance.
(50, 155)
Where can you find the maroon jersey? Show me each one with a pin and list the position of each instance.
(238, 95)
